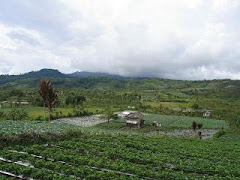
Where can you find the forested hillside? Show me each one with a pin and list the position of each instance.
(107, 82)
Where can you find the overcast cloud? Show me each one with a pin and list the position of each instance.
(187, 39)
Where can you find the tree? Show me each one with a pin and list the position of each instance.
(80, 100)
(48, 94)
(19, 98)
(75, 100)
(109, 114)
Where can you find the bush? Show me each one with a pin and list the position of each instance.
(219, 134)
(194, 125)
(79, 111)
(195, 106)
(17, 114)
(39, 117)
(2, 115)
(199, 126)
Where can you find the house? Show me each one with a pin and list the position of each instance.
(135, 119)
(207, 113)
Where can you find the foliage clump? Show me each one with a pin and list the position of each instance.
(14, 114)
(199, 125)
(196, 125)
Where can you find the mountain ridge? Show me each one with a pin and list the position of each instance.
(107, 81)
(54, 73)
(82, 74)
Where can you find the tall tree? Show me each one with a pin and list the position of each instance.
(109, 114)
(48, 94)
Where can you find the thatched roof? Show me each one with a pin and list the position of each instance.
(135, 115)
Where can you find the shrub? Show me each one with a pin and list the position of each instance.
(195, 106)
(199, 126)
(2, 114)
(16, 114)
(39, 117)
(194, 125)
(219, 134)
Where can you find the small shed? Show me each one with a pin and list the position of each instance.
(207, 113)
(156, 124)
(135, 119)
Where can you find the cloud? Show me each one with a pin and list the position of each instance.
(189, 39)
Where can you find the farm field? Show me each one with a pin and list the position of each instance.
(96, 124)
(9, 127)
(230, 136)
(119, 90)
(168, 123)
(170, 105)
(123, 157)
(185, 122)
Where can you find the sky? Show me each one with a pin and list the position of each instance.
(187, 39)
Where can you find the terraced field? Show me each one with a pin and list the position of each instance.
(122, 157)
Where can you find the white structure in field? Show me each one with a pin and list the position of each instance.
(156, 124)
(207, 113)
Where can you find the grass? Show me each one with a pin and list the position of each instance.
(170, 105)
(40, 113)
(36, 112)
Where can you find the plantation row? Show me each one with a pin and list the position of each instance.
(124, 157)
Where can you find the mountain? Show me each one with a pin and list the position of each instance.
(31, 79)
(53, 73)
(45, 73)
(84, 74)
(96, 80)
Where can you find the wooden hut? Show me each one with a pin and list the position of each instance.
(135, 119)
